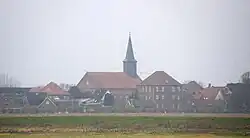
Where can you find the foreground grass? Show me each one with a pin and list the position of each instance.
(113, 135)
(123, 124)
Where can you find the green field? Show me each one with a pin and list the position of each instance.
(124, 124)
(113, 135)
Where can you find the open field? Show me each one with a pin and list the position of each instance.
(139, 114)
(113, 135)
(132, 123)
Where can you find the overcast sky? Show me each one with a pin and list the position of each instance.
(59, 40)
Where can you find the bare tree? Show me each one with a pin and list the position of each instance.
(201, 84)
(245, 78)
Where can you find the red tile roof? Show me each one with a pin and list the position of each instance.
(108, 80)
(160, 78)
(51, 89)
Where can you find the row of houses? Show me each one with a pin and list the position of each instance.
(159, 92)
(43, 99)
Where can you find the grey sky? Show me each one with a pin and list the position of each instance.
(58, 40)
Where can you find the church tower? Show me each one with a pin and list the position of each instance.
(129, 63)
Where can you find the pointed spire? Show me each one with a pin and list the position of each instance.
(130, 52)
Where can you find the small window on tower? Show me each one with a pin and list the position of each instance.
(157, 89)
(157, 97)
(162, 89)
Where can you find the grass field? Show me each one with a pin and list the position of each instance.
(122, 123)
(113, 135)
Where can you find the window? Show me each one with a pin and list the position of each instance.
(162, 105)
(173, 89)
(173, 97)
(157, 89)
(157, 106)
(178, 97)
(162, 97)
(146, 98)
(142, 88)
(149, 97)
(146, 90)
(173, 106)
(178, 106)
(47, 102)
(179, 89)
(149, 89)
(162, 88)
(157, 97)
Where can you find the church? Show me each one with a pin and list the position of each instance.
(120, 84)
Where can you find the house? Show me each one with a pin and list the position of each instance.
(37, 94)
(210, 99)
(13, 99)
(120, 84)
(50, 105)
(47, 106)
(189, 91)
(42, 98)
(159, 92)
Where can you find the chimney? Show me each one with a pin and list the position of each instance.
(209, 85)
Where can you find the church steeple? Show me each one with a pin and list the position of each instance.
(130, 53)
(129, 63)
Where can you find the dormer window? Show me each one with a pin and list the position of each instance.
(166, 81)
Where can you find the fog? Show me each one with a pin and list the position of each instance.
(59, 40)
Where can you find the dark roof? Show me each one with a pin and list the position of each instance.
(130, 53)
(160, 78)
(192, 87)
(51, 89)
(108, 80)
(13, 89)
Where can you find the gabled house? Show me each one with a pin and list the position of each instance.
(50, 105)
(51, 90)
(189, 91)
(43, 98)
(160, 92)
(210, 99)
